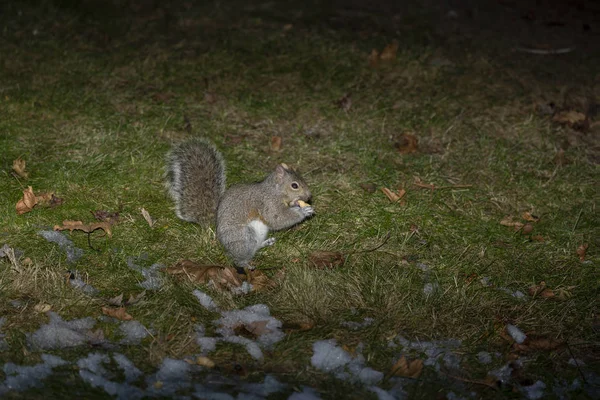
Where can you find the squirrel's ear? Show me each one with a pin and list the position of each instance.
(280, 171)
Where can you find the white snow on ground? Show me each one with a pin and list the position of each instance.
(132, 373)
(133, 332)
(535, 391)
(172, 375)
(434, 351)
(154, 280)
(358, 325)
(329, 357)
(206, 301)
(65, 244)
(58, 333)
(20, 378)
(78, 283)
(306, 394)
(516, 333)
(256, 319)
(484, 357)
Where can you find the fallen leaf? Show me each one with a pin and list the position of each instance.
(116, 301)
(135, 299)
(147, 217)
(527, 229)
(581, 251)
(106, 216)
(570, 117)
(537, 343)
(508, 221)
(276, 143)
(538, 238)
(389, 52)
(118, 313)
(407, 143)
(393, 196)
(259, 280)
(288, 27)
(290, 327)
(368, 187)
(89, 228)
(258, 328)
(219, 275)
(541, 290)
(326, 259)
(406, 368)
(527, 216)
(374, 58)
(205, 362)
(345, 103)
(27, 202)
(19, 168)
(42, 307)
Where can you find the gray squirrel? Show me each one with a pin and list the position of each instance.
(244, 213)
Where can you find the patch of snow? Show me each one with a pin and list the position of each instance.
(20, 378)
(153, 279)
(58, 334)
(132, 373)
(306, 394)
(269, 386)
(133, 332)
(64, 243)
(78, 283)
(433, 351)
(358, 325)
(244, 289)
(535, 391)
(484, 357)
(207, 344)
(206, 301)
(122, 391)
(576, 362)
(517, 334)
(173, 375)
(485, 281)
(381, 394)
(251, 346)
(93, 363)
(329, 357)
(517, 293)
(430, 288)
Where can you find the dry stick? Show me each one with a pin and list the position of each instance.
(576, 362)
(475, 381)
(577, 222)
(433, 187)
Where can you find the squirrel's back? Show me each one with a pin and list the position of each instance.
(195, 179)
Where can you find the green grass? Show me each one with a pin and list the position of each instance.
(93, 102)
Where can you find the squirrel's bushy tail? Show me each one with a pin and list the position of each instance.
(195, 179)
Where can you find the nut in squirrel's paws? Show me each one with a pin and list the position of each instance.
(299, 203)
(305, 208)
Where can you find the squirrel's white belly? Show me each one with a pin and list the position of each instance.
(261, 229)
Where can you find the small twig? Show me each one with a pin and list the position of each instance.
(545, 52)
(385, 240)
(577, 222)
(576, 362)
(475, 381)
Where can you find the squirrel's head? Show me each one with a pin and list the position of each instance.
(291, 184)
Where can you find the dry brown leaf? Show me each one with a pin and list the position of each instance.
(407, 143)
(116, 301)
(581, 251)
(205, 362)
(537, 343)
(290, 327)
(345, 103)
(406, 368)
(541, 290)
(420, 184)
(508, 221)
(368, 187)
(19, 168)
(527, 229)
(389, 52)
(538, 238)
(326, 259)
(276, 143)
(118, 313)
(147, 217)
(393, 196)
(259, 280)
(27, 202)
(135, 299)
(42, 307)
(527, 216)
(374, 58)
(218, 274)
(258, 328)
(105, 216)
(80, 226)
(570, 117)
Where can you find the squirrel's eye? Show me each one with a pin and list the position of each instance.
(295, 185)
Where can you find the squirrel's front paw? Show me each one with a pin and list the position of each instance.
(269, 242)
(307, 211)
